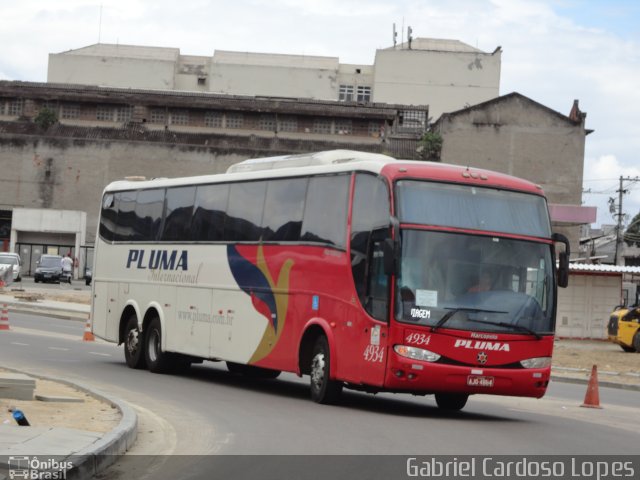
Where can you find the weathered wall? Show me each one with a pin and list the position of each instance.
(68, 174)
(517, 139)
(447, 81)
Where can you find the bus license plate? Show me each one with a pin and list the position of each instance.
(478, 381)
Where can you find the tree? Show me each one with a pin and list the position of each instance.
(430, 146)
(632, 234)
(45, 118)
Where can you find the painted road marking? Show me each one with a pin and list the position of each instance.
(59, 348)
(101, 354)
(21, 344)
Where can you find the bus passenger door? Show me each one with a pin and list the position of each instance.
(372, 323)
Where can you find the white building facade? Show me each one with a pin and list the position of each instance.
(446, 74)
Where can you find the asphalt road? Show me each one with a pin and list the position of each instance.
(209, 411)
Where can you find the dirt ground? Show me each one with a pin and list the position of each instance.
(92, 414)
(613, 363)
(63, 294)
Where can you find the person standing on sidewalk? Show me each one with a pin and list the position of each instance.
(67, 267)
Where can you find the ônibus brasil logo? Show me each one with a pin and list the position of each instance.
(38, 469)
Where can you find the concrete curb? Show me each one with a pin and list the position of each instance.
(98, 456)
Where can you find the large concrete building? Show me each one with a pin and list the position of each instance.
(445, 74)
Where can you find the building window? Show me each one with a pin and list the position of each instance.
(413, 120)
(288, 124)
(180, 117)
(364, 94)
(321, 125)
(346, 93)
(235, 120)
(344, 127)
(104, 113)
(158, 115)
(267, 122)
(16, 106)
(202, 81)
(213, 119)
(375, 129)
(124, 114)
(70, 110)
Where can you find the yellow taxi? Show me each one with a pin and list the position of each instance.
(624, 328)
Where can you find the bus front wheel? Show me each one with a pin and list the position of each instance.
(451, 401)
(323, 389)
(134, 344)
(158, 361)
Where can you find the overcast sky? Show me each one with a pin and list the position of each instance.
(554, 51)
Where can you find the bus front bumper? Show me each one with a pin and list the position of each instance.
(424, 378)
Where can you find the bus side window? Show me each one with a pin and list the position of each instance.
(369, 228)
(209, 213)
(177, 214)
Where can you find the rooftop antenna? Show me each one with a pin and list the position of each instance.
(395, 35)
(100, 25)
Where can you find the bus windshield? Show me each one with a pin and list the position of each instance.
(471, 207)
(475, 283)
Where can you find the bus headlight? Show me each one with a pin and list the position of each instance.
(416, 353)
(538, 362)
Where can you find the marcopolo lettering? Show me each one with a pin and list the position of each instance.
(158, 259)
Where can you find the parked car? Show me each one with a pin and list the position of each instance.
(48, 269)
(13, 259)
(88, 276)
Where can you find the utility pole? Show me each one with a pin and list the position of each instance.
(621, 191)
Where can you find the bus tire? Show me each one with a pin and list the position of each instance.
(157, 360)
(252, 371)
(636, 341)
(134, 344)
(323, 389)
(451, 401)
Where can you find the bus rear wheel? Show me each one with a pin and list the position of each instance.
(323, 389)
(451, 401)
(134, 344)
(158, 361)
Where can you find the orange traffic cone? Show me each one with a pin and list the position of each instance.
(592, 397)
(88, 335)
(4, 317)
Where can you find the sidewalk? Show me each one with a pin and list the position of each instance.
(80, 453)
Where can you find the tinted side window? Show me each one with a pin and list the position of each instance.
(149, 206)
(209, 213)
(371, 208)
(177, 215)
(369, 228)
(126, 205)
(283, 209)
(108, 217)
(244, 215)
(325, 215)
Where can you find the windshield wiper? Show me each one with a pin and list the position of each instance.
(512, 326)
(453, 311)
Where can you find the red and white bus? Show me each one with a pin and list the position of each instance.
(356, 269)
